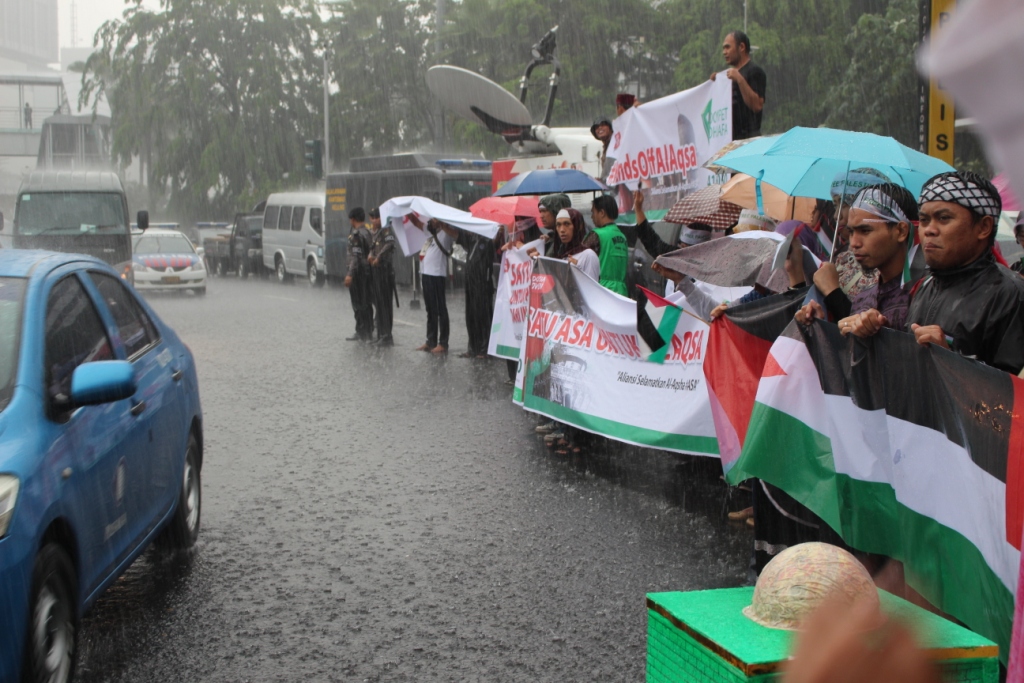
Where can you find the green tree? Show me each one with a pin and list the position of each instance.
(214, 96)
(378, 61)
(878, 90)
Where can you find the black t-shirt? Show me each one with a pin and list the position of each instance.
(745, 121)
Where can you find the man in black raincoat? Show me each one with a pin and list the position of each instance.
(382, 269)
(480, 254)
(360, 288)
(968, 302)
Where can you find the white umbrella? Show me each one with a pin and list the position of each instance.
(411, 239)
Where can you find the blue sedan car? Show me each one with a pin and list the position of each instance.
(100, 449)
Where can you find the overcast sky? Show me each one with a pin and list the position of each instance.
(91, 14)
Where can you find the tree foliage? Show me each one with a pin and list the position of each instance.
(215, 97)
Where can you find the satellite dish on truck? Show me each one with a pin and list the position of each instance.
(483, 101)
(480, 100)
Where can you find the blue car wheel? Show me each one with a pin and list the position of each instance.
(51, 646)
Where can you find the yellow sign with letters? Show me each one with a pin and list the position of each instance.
(941, 110)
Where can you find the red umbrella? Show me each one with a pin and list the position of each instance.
(504, 209)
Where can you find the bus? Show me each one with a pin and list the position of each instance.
(371, 181)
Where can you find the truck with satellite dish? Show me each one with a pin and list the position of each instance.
(534, 146)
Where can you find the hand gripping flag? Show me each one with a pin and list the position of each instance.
(656, 320)
(909, 452)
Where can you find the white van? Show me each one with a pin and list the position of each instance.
(293, 236)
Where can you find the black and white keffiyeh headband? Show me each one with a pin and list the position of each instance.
(954, 188)
(875, 202)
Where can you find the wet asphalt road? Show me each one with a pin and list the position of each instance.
(383, 515)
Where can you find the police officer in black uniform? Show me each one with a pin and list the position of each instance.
(382, 269)
(360, 287)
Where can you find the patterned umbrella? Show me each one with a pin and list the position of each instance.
(705, 206)
(761, 142)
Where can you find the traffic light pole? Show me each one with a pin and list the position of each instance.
(327, 122)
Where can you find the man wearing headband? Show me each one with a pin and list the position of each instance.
(846, 273)
(880, 227)
(969, 303)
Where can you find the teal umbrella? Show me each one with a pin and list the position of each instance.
(804, 161)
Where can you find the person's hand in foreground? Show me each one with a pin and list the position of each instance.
(667, 273)
(930, 334)
(863, 324)
(840, 643)
(718, 310)
(806, 314)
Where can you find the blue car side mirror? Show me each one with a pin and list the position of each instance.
(103, 381)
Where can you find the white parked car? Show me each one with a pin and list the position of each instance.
(167, 260)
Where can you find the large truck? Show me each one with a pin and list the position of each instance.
(84, 212)
(371, 181)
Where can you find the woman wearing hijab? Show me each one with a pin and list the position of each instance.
(570, 229)
(568, 246)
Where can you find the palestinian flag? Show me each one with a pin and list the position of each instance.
(738, 346)
(656, 320)
(910, 452)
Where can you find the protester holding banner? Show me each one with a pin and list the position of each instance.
(523, 230)
(968, 303)
(623, 102)
(748, 86)
(880, 230)
(548, 206)
(608, 242)
(434, 271)
(569, 247)
(847, 274)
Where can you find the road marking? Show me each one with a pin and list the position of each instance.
(402, 322)
(279, 298)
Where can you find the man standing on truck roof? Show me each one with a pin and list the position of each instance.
(382, 269)
(360, 287)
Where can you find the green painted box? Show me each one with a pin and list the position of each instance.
(703, 637)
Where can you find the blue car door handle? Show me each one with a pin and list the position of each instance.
(177, 375)
(137, 408)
